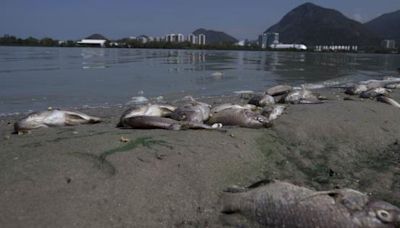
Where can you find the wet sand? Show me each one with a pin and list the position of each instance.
(84, 176)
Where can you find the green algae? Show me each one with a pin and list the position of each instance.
(333, 163)
(100, 161)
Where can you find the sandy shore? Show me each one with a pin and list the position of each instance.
(84, 176)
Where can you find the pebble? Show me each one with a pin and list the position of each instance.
(68, 180)
(75, 132)
(6, 137)
(123, 139)
(161, 156)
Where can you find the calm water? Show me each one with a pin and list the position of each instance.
(33, 78)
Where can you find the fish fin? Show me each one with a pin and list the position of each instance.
(73, 119)
(166, 111)
(259, 183)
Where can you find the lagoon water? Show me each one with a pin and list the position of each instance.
(34, 78)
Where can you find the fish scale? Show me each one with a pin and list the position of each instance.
(281, 204)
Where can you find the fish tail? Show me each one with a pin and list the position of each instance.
(94, 120)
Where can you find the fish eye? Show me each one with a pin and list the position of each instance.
(384, 215)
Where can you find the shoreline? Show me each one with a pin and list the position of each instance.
(84, 176)
(238, 48)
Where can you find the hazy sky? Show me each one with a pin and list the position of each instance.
(74, 19)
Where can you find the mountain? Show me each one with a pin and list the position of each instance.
(310, 24)
(215, 37)
(387, 26)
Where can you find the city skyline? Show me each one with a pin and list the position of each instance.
(77, 19)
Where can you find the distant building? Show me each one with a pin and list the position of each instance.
(388, 44)
(289, 46)
(94, 40)
(143, 38)
(262, 40)
(272, 38)
(202, 39)
(199, 40)
(192, 38)
(180, 38)
(174, 38)
(267, 39)
(335, 48)
(170, 37)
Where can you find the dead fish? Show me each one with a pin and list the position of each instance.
(393, 86)
(302, 96)
(193, 111)
(240, 117)
(262, 100)
(273, 112)
(388, 100)
(279, 90)
(281, 204)
(160, 110)
(53, 118)
(371, 84)
(380, 83)
(356, 89)
(155, 122)
(149, 110)
(372, 93)
(221, 107)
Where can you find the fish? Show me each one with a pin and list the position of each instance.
(380, 83)
(156, 122)
(53, 118)
(282, 204)
(356, 89)
(193, 111)
(149, 110)
(160, 110)
(262, 100)
(371, 84)
(273, 112)
(240, 117)
(221, 107)
(388, 100)
(302, 96)
(372, 93)
(279, 90)
(393, 86)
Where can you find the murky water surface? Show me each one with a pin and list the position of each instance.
(34, 78)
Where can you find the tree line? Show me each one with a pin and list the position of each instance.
(9, 40)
